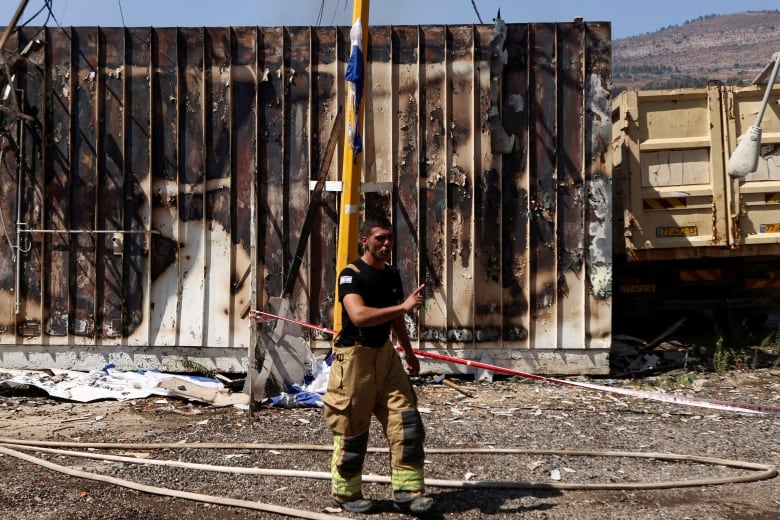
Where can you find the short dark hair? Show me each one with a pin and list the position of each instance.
(373, 222)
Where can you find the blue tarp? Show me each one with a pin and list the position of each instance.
(307, 394)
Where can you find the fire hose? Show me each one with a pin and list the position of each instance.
(14, 448)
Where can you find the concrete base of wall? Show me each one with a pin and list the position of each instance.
(536, 362)
(85, 358)
(231, 360)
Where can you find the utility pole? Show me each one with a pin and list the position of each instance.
(353, 158)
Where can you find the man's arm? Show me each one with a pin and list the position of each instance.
(364, 316)
(399, 328)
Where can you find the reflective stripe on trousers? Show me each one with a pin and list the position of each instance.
(408, 479)
(344, 487)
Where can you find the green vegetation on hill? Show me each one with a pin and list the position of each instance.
(731, 49)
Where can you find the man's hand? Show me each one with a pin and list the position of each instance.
(414, 300)
(412, 363)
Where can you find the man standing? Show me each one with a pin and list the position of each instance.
(367, 378)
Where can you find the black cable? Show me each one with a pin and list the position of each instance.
(46, 5)
(332, 21)
(474, 4)
(319, 15)
(51, 15)
(121, 13)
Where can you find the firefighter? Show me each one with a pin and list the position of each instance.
(367, 378)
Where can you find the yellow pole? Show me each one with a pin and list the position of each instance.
(352, 164)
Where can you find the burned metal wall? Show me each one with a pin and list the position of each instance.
(145, 169)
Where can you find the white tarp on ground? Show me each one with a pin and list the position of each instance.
(111, 383)
(298, 379)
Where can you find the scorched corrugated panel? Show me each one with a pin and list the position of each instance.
(145, 168)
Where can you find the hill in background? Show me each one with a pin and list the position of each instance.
(731, 48)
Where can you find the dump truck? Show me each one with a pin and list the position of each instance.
(689, 233)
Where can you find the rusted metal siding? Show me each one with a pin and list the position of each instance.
(31, 157)
(135, 173)
(242, 136)
(331, 47)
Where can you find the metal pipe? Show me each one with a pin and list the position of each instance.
(94, 231)
(2, 220)
(769, 84)
(254, 337)
(744, 160)
(19, 224)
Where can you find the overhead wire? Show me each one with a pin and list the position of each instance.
(46, 5)
(322, 10)
(333, 19)
(121, 13)
(319, 15)
(474, 4)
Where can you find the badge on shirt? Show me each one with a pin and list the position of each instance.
(345, 279)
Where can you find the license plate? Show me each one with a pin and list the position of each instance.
(638, 288)
(770, 228)
(681, 231)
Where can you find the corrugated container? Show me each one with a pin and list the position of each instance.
(155, 182)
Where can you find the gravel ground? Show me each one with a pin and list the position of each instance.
(503, 414)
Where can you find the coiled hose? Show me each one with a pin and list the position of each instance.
(15, 447)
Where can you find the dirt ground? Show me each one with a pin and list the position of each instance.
(544, 419)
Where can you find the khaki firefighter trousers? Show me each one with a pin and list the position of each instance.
(366, 381)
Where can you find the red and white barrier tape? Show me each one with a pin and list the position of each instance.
(641, 394)
(267, 316)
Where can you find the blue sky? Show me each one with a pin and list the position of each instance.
(628, 19)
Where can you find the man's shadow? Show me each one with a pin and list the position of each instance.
(488, 501)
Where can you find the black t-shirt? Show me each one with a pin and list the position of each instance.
(379, 289)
